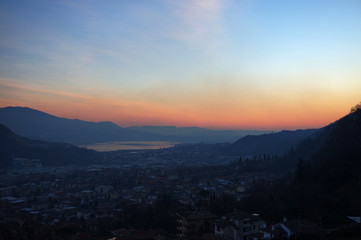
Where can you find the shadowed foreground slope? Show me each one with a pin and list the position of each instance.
(50, 154)
(326, 181)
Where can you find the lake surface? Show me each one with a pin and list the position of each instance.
(129, 145)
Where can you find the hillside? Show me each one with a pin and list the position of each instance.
(326, 178)
(50, 154)
(272, 143)
(338, 140)
(38, 125)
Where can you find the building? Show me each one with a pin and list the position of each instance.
(292, 229)
(239, 226)
(192, 225)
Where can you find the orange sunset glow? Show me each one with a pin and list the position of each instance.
(217, 64)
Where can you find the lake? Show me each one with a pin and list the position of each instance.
(129, 145)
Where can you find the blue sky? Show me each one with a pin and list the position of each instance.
(212, 63)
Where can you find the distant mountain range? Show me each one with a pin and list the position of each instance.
(272, 144)
(38, 125)
(50, 153)
(338, 141)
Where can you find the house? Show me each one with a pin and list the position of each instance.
(292, 229)
(225, 228)
(300, 228)
(192, 225)
(274, 232)
(239, 226)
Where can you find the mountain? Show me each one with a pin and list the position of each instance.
(337, 141)
(332, 174)
(38, 125)
(325, 178)
(272, 143)
(49, 153)
(196, 134)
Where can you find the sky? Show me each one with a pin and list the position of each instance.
(221, 64)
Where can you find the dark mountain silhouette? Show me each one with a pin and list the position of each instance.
(50, 153)
(38, 125)
(338, 140)
(326, 176)
(272, 143)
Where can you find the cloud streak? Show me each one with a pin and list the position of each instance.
(200, 21)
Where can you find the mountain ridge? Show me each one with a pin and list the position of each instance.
(319, 177)
(39, 125)
(271, 144)
(50, 153)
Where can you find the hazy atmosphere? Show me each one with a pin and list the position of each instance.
(222, 64)
(180, 119)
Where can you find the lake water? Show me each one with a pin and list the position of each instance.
(129, 145)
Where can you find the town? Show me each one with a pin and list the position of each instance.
(185, 192)
(142, 190)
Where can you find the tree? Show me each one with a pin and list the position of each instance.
(356, 108)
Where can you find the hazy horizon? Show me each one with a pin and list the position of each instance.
(172, 126)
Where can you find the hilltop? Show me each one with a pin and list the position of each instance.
(50, 153)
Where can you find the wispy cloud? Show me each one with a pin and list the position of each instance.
(15, 86)
(199, 21)
(21, 91)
